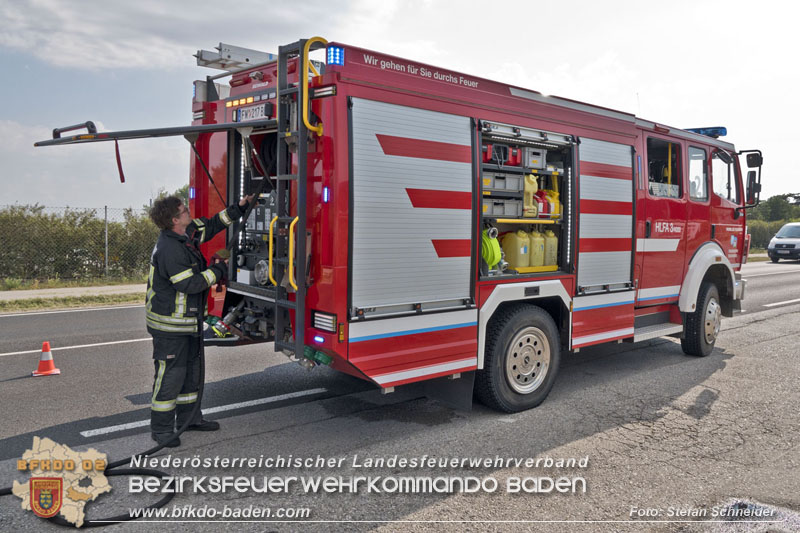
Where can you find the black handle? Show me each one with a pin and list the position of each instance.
(89, 125)
(647, 230)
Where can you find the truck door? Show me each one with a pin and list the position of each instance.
(726, 223)
(663, 243)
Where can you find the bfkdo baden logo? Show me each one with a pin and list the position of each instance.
(46, 495)
(62, 481)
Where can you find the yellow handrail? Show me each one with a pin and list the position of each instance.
(291, 253)
(305, 64)
(669, 164)
(271, 226)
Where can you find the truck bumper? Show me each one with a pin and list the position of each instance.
(739, 286)
(783, 253)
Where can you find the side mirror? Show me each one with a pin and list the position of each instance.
(754, 160)
(753, 187)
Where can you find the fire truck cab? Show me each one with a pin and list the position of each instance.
(418, 224)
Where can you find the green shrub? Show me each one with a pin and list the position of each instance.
(70, 245)
(761, 232)
(9, 284)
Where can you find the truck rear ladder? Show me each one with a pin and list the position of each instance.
(291, 234)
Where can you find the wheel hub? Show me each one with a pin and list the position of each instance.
(713, 320)
(527, 360)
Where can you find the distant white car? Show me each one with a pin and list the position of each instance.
(786, 243)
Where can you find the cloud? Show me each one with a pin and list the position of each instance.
(86, 175)
(94, 34)
(702, 63)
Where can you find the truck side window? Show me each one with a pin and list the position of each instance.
(723, 174)
(664, 170)
(698, 174)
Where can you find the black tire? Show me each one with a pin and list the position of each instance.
(508, 387)
(774, 259)
(702, 326)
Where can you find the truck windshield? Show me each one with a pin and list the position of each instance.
(789, 232)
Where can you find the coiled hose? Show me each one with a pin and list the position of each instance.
(113, 469)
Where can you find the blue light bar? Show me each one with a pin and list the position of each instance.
(716, 131)
(326, 194)
(318, 339)
(335, 55)
(191, 193)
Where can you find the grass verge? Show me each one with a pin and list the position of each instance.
(69, 302)
(16, 284)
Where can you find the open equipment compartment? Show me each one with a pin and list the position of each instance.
(526, 188)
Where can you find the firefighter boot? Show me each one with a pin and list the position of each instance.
(169, 440)
(204, 425)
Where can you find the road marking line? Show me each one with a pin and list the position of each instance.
(70, 310)
(748, 276)
(221, 408)
(783, 303)
(79, 346)
(112, 429)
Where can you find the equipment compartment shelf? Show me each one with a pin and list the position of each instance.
(530, 270)
(540, 172)
(521, 170)
(503, 168)
(525, 220)
(502, 194)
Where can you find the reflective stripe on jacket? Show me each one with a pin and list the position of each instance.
(179, 278)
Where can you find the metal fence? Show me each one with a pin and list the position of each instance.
(74, 243)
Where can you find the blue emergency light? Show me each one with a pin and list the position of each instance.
(336, 55)
(326, 194)
(191, 193)
(715, 132)
(318, 339)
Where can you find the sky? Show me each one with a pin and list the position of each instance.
(130, 65)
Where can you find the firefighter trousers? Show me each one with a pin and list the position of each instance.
(176, 382)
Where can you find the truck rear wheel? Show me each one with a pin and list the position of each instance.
(702, 326)
(521, 359)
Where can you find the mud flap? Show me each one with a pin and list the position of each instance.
(454, 393)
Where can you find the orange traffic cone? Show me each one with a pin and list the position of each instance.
(46, 365)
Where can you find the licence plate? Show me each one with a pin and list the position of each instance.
(783, 251)
(255, 112)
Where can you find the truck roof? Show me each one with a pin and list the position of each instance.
(396, 65)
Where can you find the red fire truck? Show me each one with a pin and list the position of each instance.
(418, 224)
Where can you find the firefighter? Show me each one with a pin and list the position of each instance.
(177, 290)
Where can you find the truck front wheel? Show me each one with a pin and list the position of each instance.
(521, 359)
(702, 326)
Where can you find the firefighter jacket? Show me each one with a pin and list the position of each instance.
(178, 283)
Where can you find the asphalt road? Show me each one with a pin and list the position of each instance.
(661, 430)
(771, 285)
